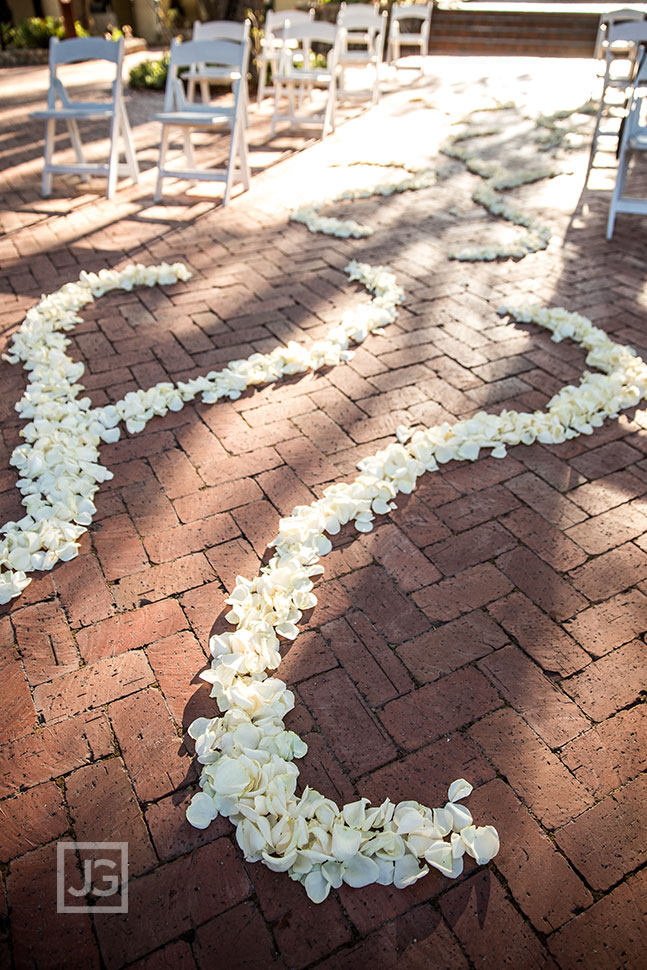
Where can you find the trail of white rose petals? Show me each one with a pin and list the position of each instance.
(418, 177)
(249, 773)
(497, 178)
(59, 464)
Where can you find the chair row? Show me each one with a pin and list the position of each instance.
(190, 63)
(219, 54)
(362, 40)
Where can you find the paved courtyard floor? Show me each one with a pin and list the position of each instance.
(492, 627)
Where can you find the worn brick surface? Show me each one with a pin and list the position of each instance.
(608, 935)
(173, 899)
(94, 685)
(40, 936)
(452, 645)
(535, 632)
(30, 819)
(530, 862)
(128, 631)
(548, 711)
(537, 776)
(439, 708)
(611, 683)
(502, 933)
(601, 628)
(492, 626)
(607, 842)
(611, 753)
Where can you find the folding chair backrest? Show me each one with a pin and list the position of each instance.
(301, 37)
(365, 27)
(277, 19)
(633, 31)
(610, 17)
(356, 9)
(220, 30)
(82, 49)
(413, 11)
(223, 53)
(354, 19)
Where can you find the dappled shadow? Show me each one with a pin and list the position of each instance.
(258, 284)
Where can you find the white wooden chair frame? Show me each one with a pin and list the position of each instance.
(181, 113)
(363, 25)
(272, 42)
(634, 139)
(290, 80)
(70, 111)
(205, 74)
(633, 36)
(400, 12)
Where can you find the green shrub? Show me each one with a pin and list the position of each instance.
(35, 32)
(149, 74)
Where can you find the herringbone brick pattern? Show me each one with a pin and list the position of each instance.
(491, 627)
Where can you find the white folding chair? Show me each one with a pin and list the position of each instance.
(207, 74)
(297, 71)
(616, 84)
(633, 139)
(272, 42)
(362, 42)
(415, 38)
(181, 113)
(70, 111)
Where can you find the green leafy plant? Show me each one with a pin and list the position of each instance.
(150, 74)
(35, 32)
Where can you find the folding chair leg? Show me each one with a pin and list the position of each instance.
(594, 140)
(618, 192)
(188, 148)
(376, 85)
(113, 158)
(160, 163)
(75, 138)
(277, 91)
(329, 116)
(244, 158)
(231, 162)
(129, 147)
(244, 96)
(205, 94)
(262, 74)
(190, 89)
(50, 131)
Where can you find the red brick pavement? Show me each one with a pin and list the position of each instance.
(492, 627)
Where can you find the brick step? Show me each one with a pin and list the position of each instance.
(503, 31)
(518, 29)
(503, 50)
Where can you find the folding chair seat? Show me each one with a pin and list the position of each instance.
(409, 38)
(272, 42)
(207, 74)
(71, 111)
(633, 140)
(181, 113)
(616, 83)
(364, 32)
(298, 72)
